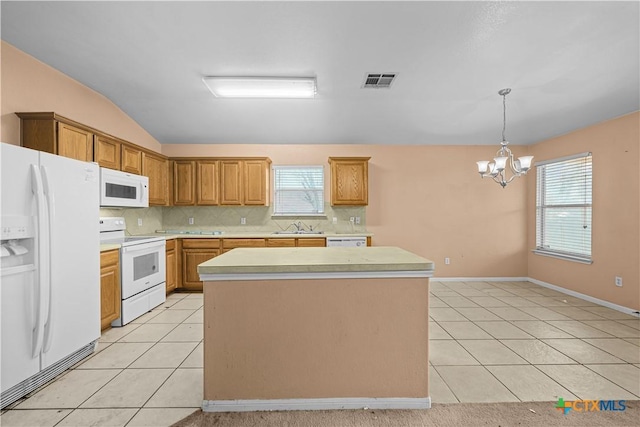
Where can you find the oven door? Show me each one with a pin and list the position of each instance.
(143, 266)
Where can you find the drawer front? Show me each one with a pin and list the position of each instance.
(200, 243)
(312, 242)
(171, 244)
(243, 243)
(109, 258)
(281, 243)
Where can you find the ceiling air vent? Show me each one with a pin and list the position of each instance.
(379, 80)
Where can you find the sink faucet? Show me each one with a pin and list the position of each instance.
(298, 226)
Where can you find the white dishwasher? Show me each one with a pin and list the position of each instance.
(354, 242)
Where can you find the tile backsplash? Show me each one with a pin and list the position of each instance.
(227, 218)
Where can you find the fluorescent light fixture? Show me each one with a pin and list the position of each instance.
(261, 87)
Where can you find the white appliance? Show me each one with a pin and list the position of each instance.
(121, 189)
(356, 242)
(49, 267)
(142, 269)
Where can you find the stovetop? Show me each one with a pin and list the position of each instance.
(131, 240)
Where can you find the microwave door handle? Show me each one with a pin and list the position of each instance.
(142, 190)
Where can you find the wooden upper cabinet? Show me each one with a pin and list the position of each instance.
(57, 135)
(349, 180)
(256, 182)
(107, 152)
(207, 182)
(131, 159)
(157, 169)
(231, 182)
(75, 143)
(184, 183)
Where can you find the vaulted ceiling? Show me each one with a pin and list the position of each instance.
(569, 64)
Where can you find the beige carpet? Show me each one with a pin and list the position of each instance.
(459, 414)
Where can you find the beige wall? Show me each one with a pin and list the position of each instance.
(427, 199)
(30, 85)
(616, 212)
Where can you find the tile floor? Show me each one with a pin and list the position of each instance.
(490, 342)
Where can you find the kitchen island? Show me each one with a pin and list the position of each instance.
(316, 328)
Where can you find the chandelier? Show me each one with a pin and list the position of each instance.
(498, 168)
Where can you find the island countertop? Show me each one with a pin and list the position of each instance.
(313, 260)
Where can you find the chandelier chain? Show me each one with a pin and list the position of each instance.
(504, 116)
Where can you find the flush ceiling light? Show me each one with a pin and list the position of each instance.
(261, 87)
(498, 168)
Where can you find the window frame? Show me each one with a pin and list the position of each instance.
(540, 207)
(277, 214)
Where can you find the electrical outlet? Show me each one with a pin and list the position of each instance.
(447, 261)
(139, 222)
(335, 220)
(618, 281)
(243, 221)
(352, 219)
(358, 220)
(191, 220)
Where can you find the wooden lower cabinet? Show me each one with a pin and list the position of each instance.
(172, 280)
(110, 299)
(194, 252)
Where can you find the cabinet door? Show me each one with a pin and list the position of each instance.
(190, 260)
(109, 288)
(256, 182)
(75, 143)
(207, 180)
(157, 169)
(171, 271)
(107, 152)
(231, 182)
(184, 178)
(349, 181)
(131, 160)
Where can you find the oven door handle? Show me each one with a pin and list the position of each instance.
(143, 247)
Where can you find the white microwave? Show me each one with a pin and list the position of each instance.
(123, 190)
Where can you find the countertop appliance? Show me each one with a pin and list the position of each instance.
(121, 189)
(142, 269)
(49, 265)
(358, 242)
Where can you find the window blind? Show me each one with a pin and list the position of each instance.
(298, 190)
(563, 207)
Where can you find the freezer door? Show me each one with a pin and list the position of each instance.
(73, 196)
(18, 284)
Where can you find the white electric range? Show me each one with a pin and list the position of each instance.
(142, 269)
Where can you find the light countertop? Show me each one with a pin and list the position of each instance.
(315, 260)
(104, 247)
(259, 235)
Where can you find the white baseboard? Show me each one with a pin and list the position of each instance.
(582, 296)
(315, 404)
(586, 297)
(479, 279)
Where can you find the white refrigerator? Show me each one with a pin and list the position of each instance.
(49, 267)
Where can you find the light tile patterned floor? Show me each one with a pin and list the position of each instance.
(489, 342)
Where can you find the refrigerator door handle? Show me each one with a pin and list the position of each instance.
(48, 329)
(43, 269)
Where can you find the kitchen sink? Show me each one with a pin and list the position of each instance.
(298, 232)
